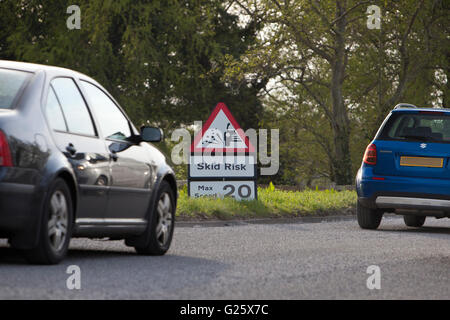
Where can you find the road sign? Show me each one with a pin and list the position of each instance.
(222, 166)
(222, 161)
(240, 190)
(221, 133)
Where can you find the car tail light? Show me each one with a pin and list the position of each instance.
(5, 153)
(370, 156)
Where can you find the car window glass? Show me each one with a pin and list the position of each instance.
(10, 83)
(399, 126)
(432, 127)
(112, 122)
(74, 108)
(53, 112)
(446, 129)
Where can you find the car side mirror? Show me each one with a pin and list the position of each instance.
(151, 134)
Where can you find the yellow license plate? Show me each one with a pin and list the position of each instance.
(422, 162)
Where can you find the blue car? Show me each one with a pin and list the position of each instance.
(406, 168)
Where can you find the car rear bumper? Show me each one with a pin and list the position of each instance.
(408, 204)
(403, 193)
(16, 206)
(412, 203)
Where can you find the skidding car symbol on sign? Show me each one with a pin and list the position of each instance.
(215, 138)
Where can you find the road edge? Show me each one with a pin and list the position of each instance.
(283, 220)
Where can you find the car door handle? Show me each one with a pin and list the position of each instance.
(114, 155)
(71, 149)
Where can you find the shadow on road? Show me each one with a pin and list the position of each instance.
(81, 254)
(113, 260)
(11, 256)
(422, 231)
(108, 273)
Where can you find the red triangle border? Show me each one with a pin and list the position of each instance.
(198, 137)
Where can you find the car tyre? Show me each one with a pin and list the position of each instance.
(368, 218)
(55, 226)
(414, 221)
(162, 223)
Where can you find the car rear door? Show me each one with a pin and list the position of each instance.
(76, 136)
(131, 171)
(415, 144)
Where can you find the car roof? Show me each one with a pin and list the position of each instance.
(408, 107)
(34, 68)
(415, 110)
(30, 67)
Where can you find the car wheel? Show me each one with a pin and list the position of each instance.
(162, 223)
(55, 227)
(414, 221)
(368, 218)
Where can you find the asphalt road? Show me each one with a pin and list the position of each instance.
(325, 260)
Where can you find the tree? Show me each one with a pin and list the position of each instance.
(343, 77)
(310, 36)
(160, 59)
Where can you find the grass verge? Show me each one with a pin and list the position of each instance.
(271, 203)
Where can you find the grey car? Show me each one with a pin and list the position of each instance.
(72, 164)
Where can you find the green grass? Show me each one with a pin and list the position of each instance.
(271, 203)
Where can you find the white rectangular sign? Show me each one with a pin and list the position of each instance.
(240, 190)
(223, 166)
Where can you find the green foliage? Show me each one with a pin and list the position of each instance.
(161, 59)
(270, 203)
(183, 191)
(407, 60)
(169, 62)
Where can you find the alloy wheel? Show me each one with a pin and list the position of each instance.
(58, 221)
(164, 225)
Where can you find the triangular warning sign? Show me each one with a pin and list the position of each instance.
(221, 133)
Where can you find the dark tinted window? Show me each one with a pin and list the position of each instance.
(53, 112)
(112, 122)
(418, 126)
(74, 108)
(10, 83)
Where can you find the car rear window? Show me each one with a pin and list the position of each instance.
(11, 81)
(430, 126)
